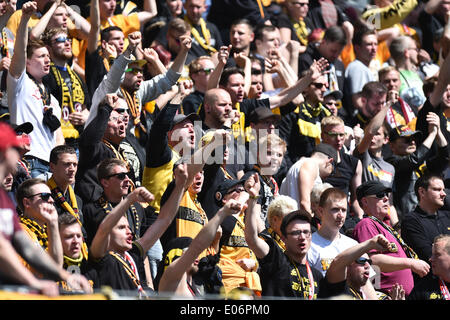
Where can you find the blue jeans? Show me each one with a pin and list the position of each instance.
(39, 168)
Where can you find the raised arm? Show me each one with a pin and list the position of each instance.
(19, 59)
(94, 32)
(43, 263)
(40, 27)
(150, 11)
(372, 128)
(180, 60)
(222, 56)
(168, 210)
(100, 243)
(253, 220)
(288, 94)
(111, 83)
(14, 269)
(174, 273)
(442, 82)
(337, 271)
(80, 22)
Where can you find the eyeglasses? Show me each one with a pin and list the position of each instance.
(318, 85)
(206, 70)
(362, 261)
(120, 175)
(297, 233)
(238, 190)
(335, 134)
(380, 195)
(134, 70)
(119, 118)
(45, 196)
(63, 40)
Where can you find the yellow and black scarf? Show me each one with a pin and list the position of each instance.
(408, 250)
(39, 232)
(71, 208)
(72, 99)
(205, 41)
(107, 207)
(301, 31)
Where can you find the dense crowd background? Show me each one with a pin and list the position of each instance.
(260, 148)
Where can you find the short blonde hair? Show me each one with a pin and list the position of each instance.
(280, 206)
(272, 139)
(331, 121)
(317, 190)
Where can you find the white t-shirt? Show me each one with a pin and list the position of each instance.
(289, 186)
(26, 105)
(323, 251)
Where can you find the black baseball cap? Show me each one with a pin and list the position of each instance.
(181, 117)
(227, 184)
(336, 94)
(371, 187)
(262, 113)
(327, 149)
(25, 127)
(403, 131)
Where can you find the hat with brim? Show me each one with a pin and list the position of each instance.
(262, 113)
(327, 150)
(137, 63)
(371, 187)
(179, 118)
(336, 94)
(403, 131)
(25, 127)
(223, 188)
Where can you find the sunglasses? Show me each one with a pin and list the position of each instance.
(318, 85)
(238, 190)
(380, 195)
(206, 70)
(120, 175)
(45, 196)
(336, 134)
(63, 39)
(134, 70)
(362, 261)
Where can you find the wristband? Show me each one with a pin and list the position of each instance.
(254, 197)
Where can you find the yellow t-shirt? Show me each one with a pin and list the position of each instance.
(157, 179)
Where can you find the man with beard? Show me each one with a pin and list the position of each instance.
(29, 99)
(65, 84)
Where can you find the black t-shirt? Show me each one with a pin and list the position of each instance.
(279, 276)
(344, 172)
(427, 288)
(96, 70)
(112, 271)
(419, 230)
(192, 102)
(94, 213)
